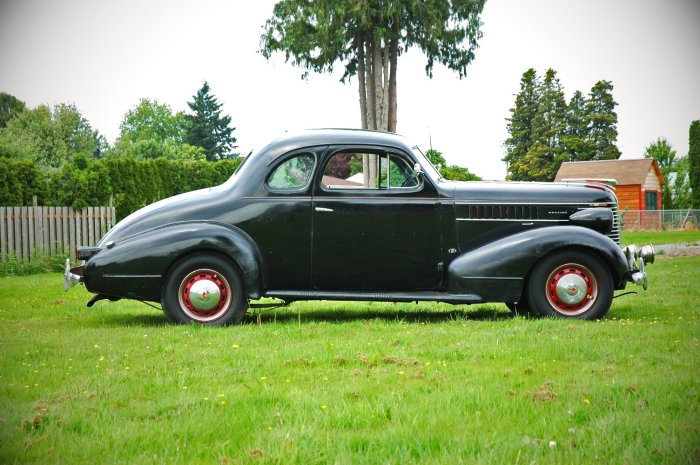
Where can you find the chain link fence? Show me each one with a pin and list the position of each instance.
(660, 219)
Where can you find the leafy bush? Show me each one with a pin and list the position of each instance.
(131, 183)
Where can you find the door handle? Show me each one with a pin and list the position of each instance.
(323, 209)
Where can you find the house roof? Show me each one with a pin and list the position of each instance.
(625, 172)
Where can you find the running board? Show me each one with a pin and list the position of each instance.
(429, 296)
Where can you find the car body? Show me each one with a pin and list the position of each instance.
(363, 215)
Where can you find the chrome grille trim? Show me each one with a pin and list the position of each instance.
(615, 233)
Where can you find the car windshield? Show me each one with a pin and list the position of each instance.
(239, 168)
(425, 163)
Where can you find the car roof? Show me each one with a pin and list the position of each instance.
(331, 136)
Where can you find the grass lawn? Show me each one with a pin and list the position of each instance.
(351, 383)
(690, 236)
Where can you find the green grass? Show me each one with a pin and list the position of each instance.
(640, 238)
(350, 383)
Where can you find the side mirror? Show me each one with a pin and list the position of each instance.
(417, 170)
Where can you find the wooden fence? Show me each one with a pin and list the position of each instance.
(30, 233)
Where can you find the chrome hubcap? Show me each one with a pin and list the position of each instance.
(571, 289)
(204, 295)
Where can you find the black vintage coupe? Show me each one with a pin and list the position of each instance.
(360, 215)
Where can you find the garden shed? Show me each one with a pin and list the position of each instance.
(639, 185)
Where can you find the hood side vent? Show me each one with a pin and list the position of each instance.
(502, 212)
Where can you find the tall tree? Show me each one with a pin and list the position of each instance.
(549, 125)
(519, 126)
(48, 136)
(665, 156)
(694, 161)
(9, 107)
(681, 185)
(152, 120)
(368, 36)
(602, 122)
(207, 128)
(152, 130)
(574, 137)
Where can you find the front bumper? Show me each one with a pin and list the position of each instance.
(637, 259)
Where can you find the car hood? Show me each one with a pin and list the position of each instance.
(529, 192)
(183, 207)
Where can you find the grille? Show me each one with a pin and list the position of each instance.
(615, 232)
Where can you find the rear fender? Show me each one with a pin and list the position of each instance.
(497, 271)
(136, 267)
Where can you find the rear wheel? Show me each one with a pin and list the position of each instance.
(570, 284)
(205, 289)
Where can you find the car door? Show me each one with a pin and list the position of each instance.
(376, 223)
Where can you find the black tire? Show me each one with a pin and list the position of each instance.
(570, 284)
(206, 289)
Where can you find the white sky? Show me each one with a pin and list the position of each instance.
(105, 55)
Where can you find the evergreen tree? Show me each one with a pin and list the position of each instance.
(574, 137)
(207, 128)
(520, 122)
(694, 161)
(602, 122)
(548, 127)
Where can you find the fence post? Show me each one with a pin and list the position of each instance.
(3, 235)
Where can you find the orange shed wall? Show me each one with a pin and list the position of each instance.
(629, 197)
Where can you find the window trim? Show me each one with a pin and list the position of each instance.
(656, 195)
(284, 159)
(358, 150)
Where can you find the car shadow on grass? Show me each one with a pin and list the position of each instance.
(346, 315)
(289, 315)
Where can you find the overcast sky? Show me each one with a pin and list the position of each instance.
(105, 55)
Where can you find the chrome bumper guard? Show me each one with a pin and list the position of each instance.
(72, 276)
(637, 259)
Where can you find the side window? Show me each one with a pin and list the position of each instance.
(368, 171)
(292, 174)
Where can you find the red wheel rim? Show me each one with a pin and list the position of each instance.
(204, 295)
(571, 289)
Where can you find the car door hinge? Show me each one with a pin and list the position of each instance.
(441, 267)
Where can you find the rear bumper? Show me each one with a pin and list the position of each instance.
(72, 276)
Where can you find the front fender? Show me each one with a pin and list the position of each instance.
(135, 267)
(496, 271)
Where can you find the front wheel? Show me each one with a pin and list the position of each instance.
(205, 289)
(571, 284)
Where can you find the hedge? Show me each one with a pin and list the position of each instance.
(131, 183)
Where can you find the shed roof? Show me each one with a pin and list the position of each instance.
(625, 172)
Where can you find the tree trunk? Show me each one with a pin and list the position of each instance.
(371, 87)
(393, 61)
(361, 79)
(385, 86)
(378, 69)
